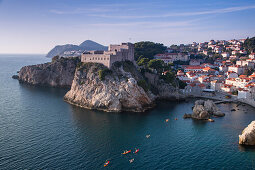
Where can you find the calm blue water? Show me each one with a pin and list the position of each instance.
(38, 130)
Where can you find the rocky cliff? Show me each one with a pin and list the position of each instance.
(248, 135)
(160, 88)
(96, 87)
(55, 73)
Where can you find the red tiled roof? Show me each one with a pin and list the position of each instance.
(201, 85)
(194, 67)
(242, 76)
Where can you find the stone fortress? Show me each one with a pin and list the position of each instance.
(122, 52)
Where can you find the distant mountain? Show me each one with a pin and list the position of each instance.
(91, 45)
(86, 45)
(60, 49)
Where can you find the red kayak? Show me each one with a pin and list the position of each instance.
(126, 152)
(137, 150)
(106, 163)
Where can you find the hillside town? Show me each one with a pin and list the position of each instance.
(215, 68)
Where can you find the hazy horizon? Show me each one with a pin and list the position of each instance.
(35, 27)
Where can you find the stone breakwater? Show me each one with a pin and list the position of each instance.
(117, 91)
(58, 73)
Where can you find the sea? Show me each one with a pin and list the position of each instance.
(39, 130)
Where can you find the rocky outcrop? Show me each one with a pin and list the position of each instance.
(200, 112)
(204, 110)
(55, 73)
(96, 87)
(161, 89)
(15, 77)
(248, 135)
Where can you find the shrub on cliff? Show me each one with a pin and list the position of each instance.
(143, 62)
(103, 72)
(156, 64)
(143, 84)
(55, 58)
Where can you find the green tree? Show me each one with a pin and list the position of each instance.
(249, 44)
(148, 49)
(156, 64)
(143, 62)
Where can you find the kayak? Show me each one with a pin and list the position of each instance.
(106, 163)
(167, 120)
(137, 150)
(131, 160)
(147, 136)
(126, 152)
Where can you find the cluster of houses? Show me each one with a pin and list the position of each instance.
(171, 57)
(223, 76)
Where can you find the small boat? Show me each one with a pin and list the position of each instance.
(126, 152)
(147, 136)
(131, 160)
(136, 150)
(106, 163)
(167, 120)
(210, 120)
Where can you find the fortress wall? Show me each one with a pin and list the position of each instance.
(96, 58)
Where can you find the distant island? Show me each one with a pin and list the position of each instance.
(75, 50)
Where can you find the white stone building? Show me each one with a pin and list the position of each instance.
(171, 57)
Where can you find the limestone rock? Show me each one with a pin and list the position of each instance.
(161, 89)
(117, 91)
(57, 73)
(199, 112)
(205, 109)
(15, 77)
(185, 116)
(248, 135)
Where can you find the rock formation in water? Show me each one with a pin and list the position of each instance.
(248, 135)
(59, 72)
(204, 110)
(96, 87)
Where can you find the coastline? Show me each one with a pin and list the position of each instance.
(219, 100)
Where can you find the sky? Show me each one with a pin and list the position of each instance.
(36, 26)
